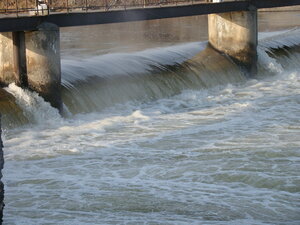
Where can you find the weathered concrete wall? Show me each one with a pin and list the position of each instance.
(1, 183)
(7, 74)
(235, 34)
(42, 70)
(43, 62)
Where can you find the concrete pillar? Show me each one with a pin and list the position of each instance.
(12, 58)
(1, 183)
(31, 59)
(7, 73)
(43, 63)
(235, 34)
(19, 53)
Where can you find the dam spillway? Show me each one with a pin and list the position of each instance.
(29, 44)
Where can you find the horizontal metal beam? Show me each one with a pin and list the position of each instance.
(260, 4)
(91, 18)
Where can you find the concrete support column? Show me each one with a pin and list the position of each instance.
(19, 54)
(31, 59)
(235, 34)
(43, 62)
(7, 72)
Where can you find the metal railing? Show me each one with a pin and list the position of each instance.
(40, 8)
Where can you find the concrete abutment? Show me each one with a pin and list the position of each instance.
(235, 34)
(31, 59)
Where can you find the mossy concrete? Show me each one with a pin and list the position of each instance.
(41, 57)
(43, 62)
(7, 74)
(235, 34)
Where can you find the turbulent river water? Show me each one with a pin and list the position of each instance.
(159, 129)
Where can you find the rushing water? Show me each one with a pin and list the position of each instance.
(158, 136)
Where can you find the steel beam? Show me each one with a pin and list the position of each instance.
(117, 16)
(90, 18)
(260, 4)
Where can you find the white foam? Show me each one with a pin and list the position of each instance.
(231, 149)
(268, 62)
(224, 155)
(34, 107)
(280, 39)
(125, 64)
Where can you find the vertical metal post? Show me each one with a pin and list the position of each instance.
(106, 6)
(6, 6)
(37, 7)
(48, 7)
(42, 7)
(19, 54)
(17, 8)
(67, 6)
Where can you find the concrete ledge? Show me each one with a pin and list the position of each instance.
(281, 9)
(235, 34)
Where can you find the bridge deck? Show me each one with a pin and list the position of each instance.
(116, 15)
